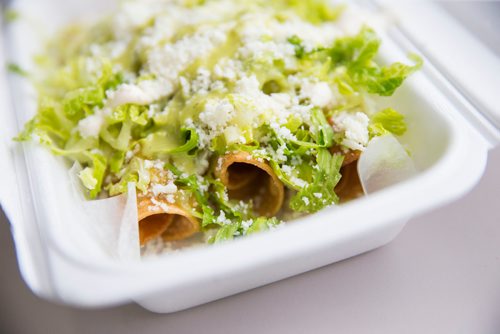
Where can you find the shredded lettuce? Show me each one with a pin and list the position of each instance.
(320, 193)
(357, 54)
(50, 125)
(225, 233)
(163, 142)
(388, 120)
(93, 176)
(80, 102)
(241, 228)
(135, 172)
(321, 130)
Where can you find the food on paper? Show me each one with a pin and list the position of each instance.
(228, 116)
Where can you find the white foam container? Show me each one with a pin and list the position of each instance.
(453, 124)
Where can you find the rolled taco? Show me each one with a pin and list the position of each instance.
(250, 179)
(158, 218)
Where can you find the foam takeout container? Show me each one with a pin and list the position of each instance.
(453, 121)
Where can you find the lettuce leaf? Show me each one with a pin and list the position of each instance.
(135, 172)
(320, 192)
(225, 233)
(92, 176)
(50, 125)
(166, 142)
(118, 137)
(357, 53)
(385, 80)
(197, 188)
(241, 228)
(80, 102)
(262, 224)
(388, 120)
(321, 129)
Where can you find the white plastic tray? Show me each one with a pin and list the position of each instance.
(449, 149)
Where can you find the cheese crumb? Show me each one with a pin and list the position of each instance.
(355, 127)
(320, 94)
(221, 219)
(169, 188)
(217, 113)
(91, 125)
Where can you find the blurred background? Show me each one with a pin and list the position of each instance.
(441, 275)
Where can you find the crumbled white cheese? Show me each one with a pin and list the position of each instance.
(170, 198)
(127, 93)
(229, 69)
(303, 112)
(284, 99)
(282, 132)
(298, 182)
(91, 125)
(146, 92)
(248, 86)
(221, 219)
(267, 50)
(129, 155)
(217, 86)
(156, 164)
(169, 60)
(202, 83)
(233, 135)
(278, 155)
(169, 188)
(185, 86)
(245, 225)
(203, 162)
(287, 170)
(159, 205)
(202, 183)
(355, 127)
(219, 163)
(217, 113)
(320, 94)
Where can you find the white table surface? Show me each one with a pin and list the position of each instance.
(441, 275)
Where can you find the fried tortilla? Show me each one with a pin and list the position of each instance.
(250, 179)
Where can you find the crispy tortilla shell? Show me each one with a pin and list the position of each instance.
(166, 220)
(349, 186)
(247, 178)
